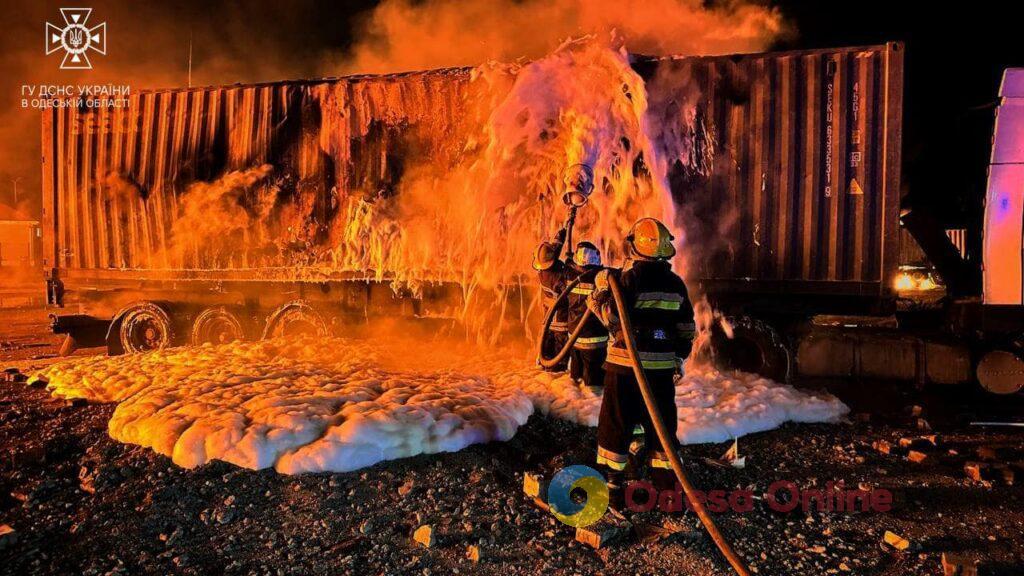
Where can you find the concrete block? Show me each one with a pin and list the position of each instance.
(605, 531)
(534, 485)
(896, 541)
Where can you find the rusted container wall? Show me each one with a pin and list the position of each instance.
(804, 191)
(114, 177)
(796, 191)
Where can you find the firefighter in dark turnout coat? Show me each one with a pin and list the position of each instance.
(554, 276)
(588, 352)
(663, 325)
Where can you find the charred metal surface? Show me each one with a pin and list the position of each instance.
(115, 178)
(804, 191)
(882, 354)
(791, 181)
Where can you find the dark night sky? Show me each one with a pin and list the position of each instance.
(954, 61)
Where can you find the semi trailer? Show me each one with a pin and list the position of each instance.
(793, 204)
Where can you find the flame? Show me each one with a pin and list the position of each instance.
(482, 159)
(481, 185)
(479, 220)
(905, 282)
(910, 280)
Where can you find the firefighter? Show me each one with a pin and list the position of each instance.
(554, 275)
(588, 352)
(663, 326)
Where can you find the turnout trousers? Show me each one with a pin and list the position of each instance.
(623, 409)
(587, 366)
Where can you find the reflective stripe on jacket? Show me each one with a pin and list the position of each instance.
(583, 289)
(593, 334)
(660, 313)
(660, 300)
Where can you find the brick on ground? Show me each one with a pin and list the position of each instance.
(920, 443)
(534, 485)
(956, 565)
(917, 457)
(976, 471)
(424, 535)
(605, 531)
(896, 541)
(884, 447)
(8, 536)
(992, 472)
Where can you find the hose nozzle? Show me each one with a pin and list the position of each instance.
(579, 183)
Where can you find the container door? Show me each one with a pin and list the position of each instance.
(1003, 231)
(1004, 201)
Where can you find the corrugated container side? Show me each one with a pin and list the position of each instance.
(114, 177)
(803, 194)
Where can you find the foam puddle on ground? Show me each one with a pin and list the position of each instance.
(312, 405)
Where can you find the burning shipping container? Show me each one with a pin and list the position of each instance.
(784, 179)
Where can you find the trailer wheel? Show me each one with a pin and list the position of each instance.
(753, 346)
(145, 326)
(216, 325)
(296, 319)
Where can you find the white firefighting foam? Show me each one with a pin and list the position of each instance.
(311, 405)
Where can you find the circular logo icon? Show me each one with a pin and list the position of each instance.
(75, 39)
(566, 508)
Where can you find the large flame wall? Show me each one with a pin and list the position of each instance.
(771, 168)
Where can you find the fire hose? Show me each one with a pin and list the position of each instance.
(573, 336)
(664, 437)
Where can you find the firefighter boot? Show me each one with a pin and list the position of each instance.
(616, 490)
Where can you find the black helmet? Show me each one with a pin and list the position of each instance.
(546, 256)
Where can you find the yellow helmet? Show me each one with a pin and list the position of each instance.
(649, 238)
(547, 254)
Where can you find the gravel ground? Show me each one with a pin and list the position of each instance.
(82, 503)
(25, 336)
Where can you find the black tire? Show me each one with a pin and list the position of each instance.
(295, 319)
(217, 325)
(145, 326)
(753, 346)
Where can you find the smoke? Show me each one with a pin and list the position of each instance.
(476, 217)
(223, 220)
(408, 35)
(471, 208)
(149, 46)
(573, 102)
